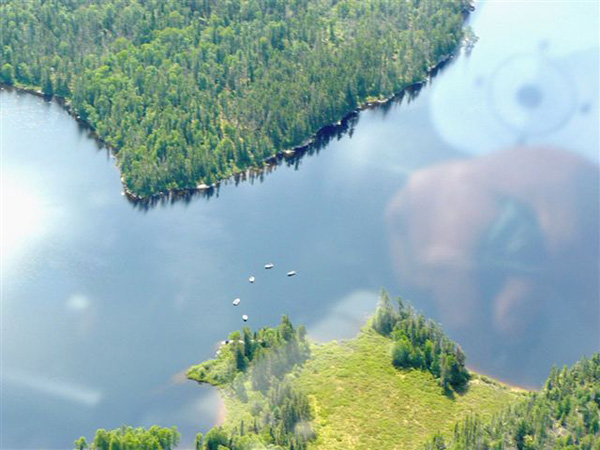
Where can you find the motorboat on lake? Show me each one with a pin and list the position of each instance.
(291, 273)
(245, 318)
(269, 266)
(236, 302)
(251, 279)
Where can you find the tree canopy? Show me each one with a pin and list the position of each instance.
(188, 92)
(129, 438)
(420, 343)
(564, 415)
(257, 365)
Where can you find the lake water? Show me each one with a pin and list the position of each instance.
(477, 200)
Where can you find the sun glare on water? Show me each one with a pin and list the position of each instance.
(24, 220)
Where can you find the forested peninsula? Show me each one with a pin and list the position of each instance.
(189, 92)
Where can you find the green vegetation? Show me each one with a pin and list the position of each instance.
(191, 91)
(362, 402)
(283, 392)
(565, 414)
(268, 353)
(253, 368)
(280, 390)
(128, 438)
(421, 344)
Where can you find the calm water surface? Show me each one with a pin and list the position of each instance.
(477, 201)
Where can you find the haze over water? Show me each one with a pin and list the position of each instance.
(477, 201)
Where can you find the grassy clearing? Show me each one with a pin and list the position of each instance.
(362, 402)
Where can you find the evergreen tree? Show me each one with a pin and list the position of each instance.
(198, 441)
(191, 92)
(421, 344)
(81, 443)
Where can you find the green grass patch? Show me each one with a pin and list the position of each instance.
(361, 401)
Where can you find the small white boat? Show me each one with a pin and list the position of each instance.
(251, 279)
(236, 302)
(269, 266)
(245, 318)
(291, 273)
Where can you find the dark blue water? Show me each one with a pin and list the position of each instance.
(479, 207)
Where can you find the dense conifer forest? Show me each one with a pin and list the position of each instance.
(564, 415)
(188, 92)
(420, 343)
(129, 438)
